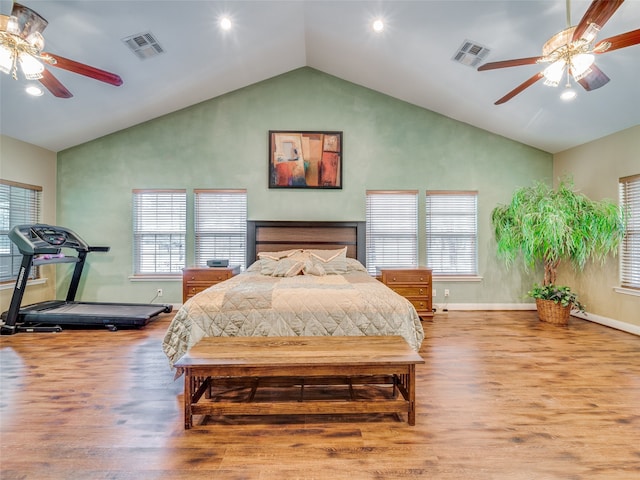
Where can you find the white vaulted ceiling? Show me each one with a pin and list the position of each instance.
(411, 60)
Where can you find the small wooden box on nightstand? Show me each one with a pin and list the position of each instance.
(197, 279)
(412, 283)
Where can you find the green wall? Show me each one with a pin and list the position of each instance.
(223, 143)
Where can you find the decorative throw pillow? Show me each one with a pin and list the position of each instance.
(278, 255)
(334, 262)
(267, 266)
(287, 267)
(315, 269)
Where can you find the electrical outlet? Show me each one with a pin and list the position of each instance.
(159, 292)
(433, 292)
(446, 292)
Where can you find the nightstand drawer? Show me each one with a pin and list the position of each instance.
(199, 275)
(421, 305)
(393, 277)
(411, 291)
(195, 280)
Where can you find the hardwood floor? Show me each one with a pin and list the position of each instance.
(501, 396)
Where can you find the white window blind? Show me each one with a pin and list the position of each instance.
(392, 229)
(221, 226)
(630, 251)
(159, 227)
(19, 205)
(452, 233)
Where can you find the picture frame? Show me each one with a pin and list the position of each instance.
(305, 159)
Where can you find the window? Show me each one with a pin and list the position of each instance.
(221, 226)
(452, 233)
(19, 205)
(159, 226)
(392, 229)
(630, 251)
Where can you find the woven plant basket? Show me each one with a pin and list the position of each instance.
(551, 312)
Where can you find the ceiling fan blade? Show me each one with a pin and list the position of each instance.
(619, 41)
(509, 63)
(86, 70)
(595, 79)
(52, 84)
(599, 12)
(520, 88)
(28, 21)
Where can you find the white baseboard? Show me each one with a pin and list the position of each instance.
(591, 317)
(484, 306)
(609, 322)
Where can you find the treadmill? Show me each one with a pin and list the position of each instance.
(42, 244)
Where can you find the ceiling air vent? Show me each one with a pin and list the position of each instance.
(144, 45)
(471, 54)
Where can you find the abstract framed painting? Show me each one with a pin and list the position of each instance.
(305, 159)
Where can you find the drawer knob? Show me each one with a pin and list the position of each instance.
(193, 278)
(421, 291)
(394, 279)
(422, 279)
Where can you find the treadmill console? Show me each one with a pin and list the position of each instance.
(45, 239)
(50, 235)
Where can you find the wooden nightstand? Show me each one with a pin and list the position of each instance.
(197, 279)
(412, 283)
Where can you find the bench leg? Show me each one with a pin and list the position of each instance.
(188, 395)
(412, 395)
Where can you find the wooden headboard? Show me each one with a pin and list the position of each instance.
(272, 236)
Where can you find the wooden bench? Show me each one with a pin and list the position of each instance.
(300, 361)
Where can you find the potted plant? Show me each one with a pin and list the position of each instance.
(547, 225)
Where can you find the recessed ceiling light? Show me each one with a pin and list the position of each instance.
(378, 25)
(34, 90)
(225, 23)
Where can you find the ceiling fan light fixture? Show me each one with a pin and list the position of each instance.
(36, 40)
(553, 73)
(6, 59)
(581, 65)
(31, 67)
(590, 33)
(559, 40)
(12, 25)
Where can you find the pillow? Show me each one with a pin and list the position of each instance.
(334, 262)
(267, 266)
(315, 269)
(287, 267)
(254, 267)
(278, 255)
(354, 265)
(328, 255)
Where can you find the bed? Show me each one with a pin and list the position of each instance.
(303, 279)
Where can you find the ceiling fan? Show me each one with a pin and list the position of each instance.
(21, 42)
(573, 50)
